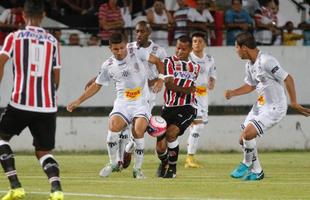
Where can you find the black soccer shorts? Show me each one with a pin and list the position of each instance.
(41, 125)
(181, 116)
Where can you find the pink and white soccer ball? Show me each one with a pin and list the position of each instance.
(157, 126)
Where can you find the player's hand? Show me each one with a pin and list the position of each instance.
(228, 94)
(91, 81)
(191, 89)
(211, 84)
(302, 110)
(73, 105)
(158, 85)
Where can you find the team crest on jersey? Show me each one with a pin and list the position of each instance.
(154, 49)
(125, 73)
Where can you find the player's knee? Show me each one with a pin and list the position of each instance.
(161, 146)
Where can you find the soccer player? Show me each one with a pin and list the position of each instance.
(36, 67)
(126, 69)
(179, 110)
(205, 82)
(265, 75)
(143, 32)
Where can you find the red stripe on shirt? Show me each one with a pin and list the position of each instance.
(18, 71)
(46, 75)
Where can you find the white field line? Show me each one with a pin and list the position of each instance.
(122, 197)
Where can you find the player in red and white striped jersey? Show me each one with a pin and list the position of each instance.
(179, 110)
(36, 66)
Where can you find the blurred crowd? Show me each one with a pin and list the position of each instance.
(221, 20)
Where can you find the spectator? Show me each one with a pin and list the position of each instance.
(236, 20)
(186, 19)
(306, 27)
(250, 6)
(202, 10)
(11, 18)
(216, 38)
(290, 38)
(160, 20)
(74, 39)
(57, 34)
(266, 24)
(110, 20)
(93, 40)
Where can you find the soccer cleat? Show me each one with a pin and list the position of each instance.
(170, 173)
(252, 176)
(240, 171)
(191, 163)
(162, 168)
(109, 168)
(15, 194)
(126, 159)
(138, 174)
(57, 195)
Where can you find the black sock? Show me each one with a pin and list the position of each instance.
(51, 169)
(173, 157)
(163, 157)
(8, 164)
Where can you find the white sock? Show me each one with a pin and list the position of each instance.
(139, 153)
(193, 138)
(249, 146)
(130, 145)
(257, 168)
(112, 145)
(123, 140)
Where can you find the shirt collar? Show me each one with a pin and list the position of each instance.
(35, 28)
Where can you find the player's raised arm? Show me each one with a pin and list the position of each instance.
(89, 92)
(290, 87)
(244, 89)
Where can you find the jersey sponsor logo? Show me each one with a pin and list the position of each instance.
(36, 36)
(185, 75)
(261, 100)
(201, 91)
(133, 94)
(275, 69)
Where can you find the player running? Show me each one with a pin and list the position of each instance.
(265, 75)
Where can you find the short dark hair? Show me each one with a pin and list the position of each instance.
(117, 38)
(185, 39)
(246, 39)
(34, 8)
(201, 35)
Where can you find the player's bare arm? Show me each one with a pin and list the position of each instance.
(3, 59)
(211, 83)
(158, 84)
(290, 87)
(170, 85)
(90, 82)
(90, 91)
(56, 78)
(244, 89)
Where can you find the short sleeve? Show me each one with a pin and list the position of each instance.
(248, 78)
(103, 77)
(272, 67)
(56, 57)
(162, 54)
(168, 67)
(7, 48)
(212, 71)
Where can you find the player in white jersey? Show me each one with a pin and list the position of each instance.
(143, 32)
(265, 75)
(205, 82)
(126, 69)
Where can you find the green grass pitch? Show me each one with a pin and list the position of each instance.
(287, 176)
